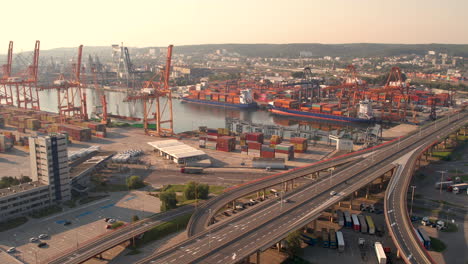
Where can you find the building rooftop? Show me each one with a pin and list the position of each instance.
(20, 188)
(176, 149)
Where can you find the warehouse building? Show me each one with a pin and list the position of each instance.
(177, 151)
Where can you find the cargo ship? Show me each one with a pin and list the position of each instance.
(242, 100)
(321, 111)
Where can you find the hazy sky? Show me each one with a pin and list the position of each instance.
(62, 23)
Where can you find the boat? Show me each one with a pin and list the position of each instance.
(320, 111)
(243, 100)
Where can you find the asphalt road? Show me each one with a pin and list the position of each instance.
(235, 239)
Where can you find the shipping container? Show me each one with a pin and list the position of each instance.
(370, 224)
(356, 225)
(381, 257)
(340, 218)
(348, 220)
(362, 222)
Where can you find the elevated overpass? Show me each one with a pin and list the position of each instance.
(234, 239)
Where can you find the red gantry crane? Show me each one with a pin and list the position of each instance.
(71, 100)
(6, 93)
(27, 95)
(151, 94)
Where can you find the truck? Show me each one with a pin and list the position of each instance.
(443, 184)
(340, 218)
(426, 239)
(370, 224)
(348, 221)
(340, 240)
(418, 236)
(362, 221)
(356, 225)
(191, 170)
(457, 188)
(379, 251)
(325, 238)
(333, 242)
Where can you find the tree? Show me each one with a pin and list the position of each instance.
(25, 179)
(203, 190)
(194, 190)
(135, 218)
(294, 243)
(135, 182)
(168, 200)
(190, 191)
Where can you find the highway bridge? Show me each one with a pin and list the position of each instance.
(268, 222)
(236, 238)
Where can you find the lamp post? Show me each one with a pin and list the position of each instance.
(412, 198)
(441, 179)
(209, 233)
(331, 175)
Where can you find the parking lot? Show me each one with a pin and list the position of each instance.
(87, 223)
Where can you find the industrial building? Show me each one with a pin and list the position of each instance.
(177, 151)
(50, 179)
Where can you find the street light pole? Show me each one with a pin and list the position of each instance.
(209, 233)
(412, 197)
(441, 180)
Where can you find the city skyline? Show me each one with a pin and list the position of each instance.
(181, 22)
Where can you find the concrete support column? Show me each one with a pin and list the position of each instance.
(351, 201)
(258, 194)
(258, 257)
(398, 254)
(278, 245)
(332, 214)
(264, 193)
(339, 204)
(315, 225)
(381, 182)
(367, 191)
(233, 204)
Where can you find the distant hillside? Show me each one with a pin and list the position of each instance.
(282, 50)
(336, 50)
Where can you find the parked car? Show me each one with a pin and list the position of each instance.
(33, 239)
(111, 221)
(42, 244)
(42, 236)
(11, 250)
(108, 226)
(106, 219)
(67, 223)
(332, 193)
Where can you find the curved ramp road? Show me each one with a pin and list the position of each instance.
(396, 211)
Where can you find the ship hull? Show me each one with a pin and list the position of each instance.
(321, 116)
(219, 104)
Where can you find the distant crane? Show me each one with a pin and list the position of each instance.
(151, 94)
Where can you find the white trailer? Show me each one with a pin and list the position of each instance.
(340, 239)
(381, 257)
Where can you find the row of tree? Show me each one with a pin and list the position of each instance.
(8, 181)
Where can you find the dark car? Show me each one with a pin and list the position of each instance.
(67, 223)
(42, 244)
(226, 214)
(106, 219)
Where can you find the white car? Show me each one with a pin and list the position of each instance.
(33, 239)
(332, 193)
(11, 250)
(111, 221)
(42, 236)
